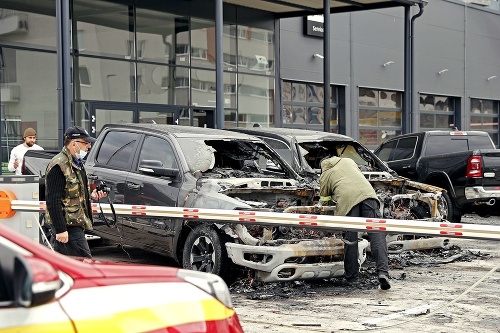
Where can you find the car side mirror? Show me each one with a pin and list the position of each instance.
(156, 168)
(35, 281)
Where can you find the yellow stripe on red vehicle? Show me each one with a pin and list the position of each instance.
(143, 320)
(141, 307)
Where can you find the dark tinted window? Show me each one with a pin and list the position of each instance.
(480, 142)
(158, 149)
(437, 145)
(385, 150)
(117, 149)
(449, 144)
(405, 148)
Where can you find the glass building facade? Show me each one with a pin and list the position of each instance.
(132, 61)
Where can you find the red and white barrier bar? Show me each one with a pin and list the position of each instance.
(411, 227)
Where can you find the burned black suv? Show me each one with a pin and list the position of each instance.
(177, 166)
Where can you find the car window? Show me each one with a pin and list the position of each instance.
(438, 145)
(159, 149)
(480, 142)
(385, 150)
(117, 149)
(281, 148)
(405, 148)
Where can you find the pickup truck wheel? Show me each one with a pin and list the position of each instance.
(454, 214)
(205, 251)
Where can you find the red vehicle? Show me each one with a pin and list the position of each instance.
(43, 291)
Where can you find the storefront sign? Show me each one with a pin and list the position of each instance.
(313, 26)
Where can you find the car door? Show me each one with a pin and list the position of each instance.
(403, 159)
(111, 164)
(147, 189)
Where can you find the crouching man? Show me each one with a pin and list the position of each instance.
(342, 181)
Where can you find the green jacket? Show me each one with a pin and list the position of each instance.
(343, 182)
(76, 198)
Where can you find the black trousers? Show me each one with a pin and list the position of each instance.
(378, 243)
(77, 245)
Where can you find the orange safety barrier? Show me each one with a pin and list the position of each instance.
(6, 198)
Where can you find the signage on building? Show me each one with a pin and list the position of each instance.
(313, 26)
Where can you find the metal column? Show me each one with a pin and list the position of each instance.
(407, 103)
(414, 97)
(63, 68)
(219, 74)
(326, 66)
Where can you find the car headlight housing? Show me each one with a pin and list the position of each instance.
(210, 283)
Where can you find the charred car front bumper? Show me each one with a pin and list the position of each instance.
(304, 260)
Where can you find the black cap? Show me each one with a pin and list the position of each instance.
(77, 132)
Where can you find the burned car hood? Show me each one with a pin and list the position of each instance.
(257, 193)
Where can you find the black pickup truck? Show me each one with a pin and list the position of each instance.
(465, 163)
(177, 166)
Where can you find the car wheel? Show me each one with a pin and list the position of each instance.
(454, 214)
(205, 251)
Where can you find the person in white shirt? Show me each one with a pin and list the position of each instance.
(17, 153)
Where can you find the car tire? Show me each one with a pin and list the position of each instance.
(454, 213)
(205, 251)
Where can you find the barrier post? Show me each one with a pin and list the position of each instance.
(19, 188)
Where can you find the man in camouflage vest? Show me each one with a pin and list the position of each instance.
(68, 196)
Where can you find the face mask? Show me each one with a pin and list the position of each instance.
(81, 154)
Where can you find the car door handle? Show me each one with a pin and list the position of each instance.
(133, 186)
(92, 177)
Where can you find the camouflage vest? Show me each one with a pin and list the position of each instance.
(74, 203)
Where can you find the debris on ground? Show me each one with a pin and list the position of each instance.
(257, 290)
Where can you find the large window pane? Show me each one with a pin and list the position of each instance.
(161, 84)
(286, 91)
(255, 50)
(203, 88)
(28, 100)
(255, 100)
(230, 56)
(202, 43)
(390, 99)
(368, 97)
(368, 118)
(484, 117)
(437, 112)
(105, 28)
(379, 108)
(21, 23)
(162, 37)
(110, 80)
(315, 115)
(390, 118)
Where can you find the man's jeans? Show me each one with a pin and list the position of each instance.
(378, 243)
(77, 245)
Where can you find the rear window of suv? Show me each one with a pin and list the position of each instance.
(437, 145)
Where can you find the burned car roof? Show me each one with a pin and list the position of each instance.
(299, 134)
(188, 131)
